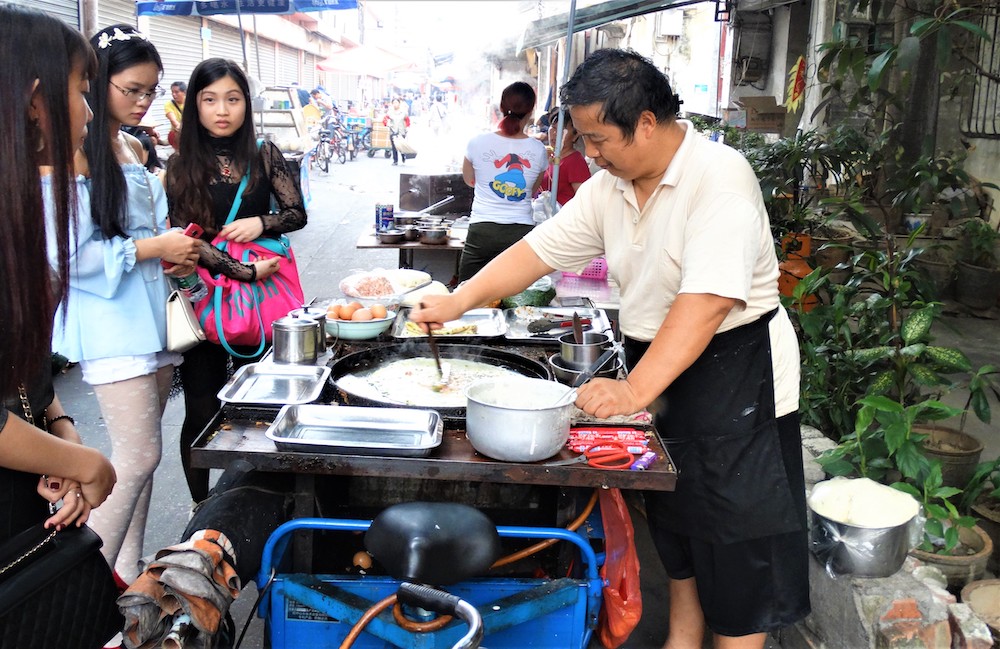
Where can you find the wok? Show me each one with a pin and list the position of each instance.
(371, 359)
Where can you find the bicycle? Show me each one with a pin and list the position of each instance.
(324, 150)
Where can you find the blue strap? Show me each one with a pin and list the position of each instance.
(217, 295)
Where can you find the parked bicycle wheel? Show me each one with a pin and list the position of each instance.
(323, 155)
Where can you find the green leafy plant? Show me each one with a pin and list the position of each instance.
(985, 482)
(979, 241)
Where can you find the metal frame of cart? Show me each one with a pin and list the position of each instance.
(308, 611)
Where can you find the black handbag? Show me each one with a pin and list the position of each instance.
(56, 590)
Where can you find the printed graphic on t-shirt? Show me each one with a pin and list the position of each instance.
(510, 183)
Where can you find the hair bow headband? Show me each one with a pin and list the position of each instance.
(105, 39)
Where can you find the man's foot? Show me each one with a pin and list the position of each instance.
(394, 164)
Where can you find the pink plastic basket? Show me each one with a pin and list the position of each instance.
(598, 269)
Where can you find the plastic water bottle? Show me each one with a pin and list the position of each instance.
(192, 286)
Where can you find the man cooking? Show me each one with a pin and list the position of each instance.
(682, 224)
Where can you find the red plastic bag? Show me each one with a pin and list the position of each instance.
(622, 605)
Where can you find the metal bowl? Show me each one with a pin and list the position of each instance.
(391, 236)
(514, 419)
(433, 235)
(564, 373)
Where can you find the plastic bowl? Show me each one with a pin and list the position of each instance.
(359, 329)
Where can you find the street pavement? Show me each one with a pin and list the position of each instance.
(341, 207)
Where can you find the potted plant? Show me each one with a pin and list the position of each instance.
(981, 498)
(978, 284)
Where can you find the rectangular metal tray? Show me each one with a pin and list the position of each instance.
(489, 323)
(518, 319)
(356, 430)
(273, 384)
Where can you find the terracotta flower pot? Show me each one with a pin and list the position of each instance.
(977, 287)
(961, 569)
(957, 452)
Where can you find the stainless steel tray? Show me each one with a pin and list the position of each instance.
(489, 323)
(356, 430)
(273, 384)
(518, 319)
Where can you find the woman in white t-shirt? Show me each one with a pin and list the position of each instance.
(505, 168)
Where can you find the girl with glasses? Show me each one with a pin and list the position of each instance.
(114, 319)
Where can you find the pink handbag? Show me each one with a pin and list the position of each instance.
(241, 313)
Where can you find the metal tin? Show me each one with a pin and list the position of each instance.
(318, 314)
(273, 384)
(295, 340)
(383, 217)
(357, 431)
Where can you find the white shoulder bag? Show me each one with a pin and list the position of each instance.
(183, 328)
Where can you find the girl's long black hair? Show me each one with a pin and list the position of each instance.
(34, 47)
(107, 193)
(192, 169)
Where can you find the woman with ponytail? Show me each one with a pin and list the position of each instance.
(504, 167)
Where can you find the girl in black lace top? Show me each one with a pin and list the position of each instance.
(217, 149)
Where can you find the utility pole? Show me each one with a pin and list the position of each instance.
(88, 17)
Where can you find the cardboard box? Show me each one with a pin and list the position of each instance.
(764, 115)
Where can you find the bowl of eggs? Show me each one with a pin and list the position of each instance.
(355, 321)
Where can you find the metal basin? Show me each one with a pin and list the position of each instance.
(513, 419)
(433, 236)
(859, 551)
(391, 236)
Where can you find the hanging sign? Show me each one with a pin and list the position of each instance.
(796, 85)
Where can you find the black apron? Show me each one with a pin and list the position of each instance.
(719, 426)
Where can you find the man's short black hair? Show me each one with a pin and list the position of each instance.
(625, 83)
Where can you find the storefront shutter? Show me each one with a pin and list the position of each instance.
(178, 40)
(267, 71)
(225, 43)
(288, 65)
(309, 78)
(111, 12)
(66, 10)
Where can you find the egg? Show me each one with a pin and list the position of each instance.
(362, 314)
(333, 312)
(347, 310)
(378, 311)
(362, 560)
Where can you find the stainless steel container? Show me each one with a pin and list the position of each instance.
(860, 551)
(318, 314)
(580, 356)
(514, 419)
(295, 341)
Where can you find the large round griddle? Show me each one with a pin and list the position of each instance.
(372, 359)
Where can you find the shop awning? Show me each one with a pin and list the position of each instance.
(222, 7)
(364, 60)
(552, 28)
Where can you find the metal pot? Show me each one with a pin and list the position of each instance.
(433, 235)
(295, 341)
(860, 551)
(411, 233)
(580, 356)
(319, 315)
(514, 419)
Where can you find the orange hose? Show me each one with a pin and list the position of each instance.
(437, 623)
(369, 615)
(418, 627)
(541, 545)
